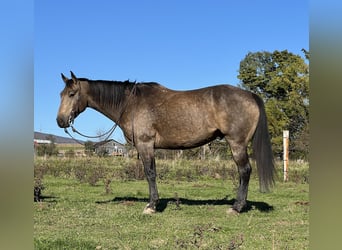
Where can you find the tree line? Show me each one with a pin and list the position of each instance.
(281, 79)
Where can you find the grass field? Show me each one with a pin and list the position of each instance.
(97, 204)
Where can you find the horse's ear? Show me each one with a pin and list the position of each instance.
(65, 79)
(74, 78)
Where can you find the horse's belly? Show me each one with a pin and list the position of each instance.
(185, 138)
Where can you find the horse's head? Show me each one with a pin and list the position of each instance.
(73, 101)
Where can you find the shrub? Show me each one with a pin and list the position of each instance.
(70, 153)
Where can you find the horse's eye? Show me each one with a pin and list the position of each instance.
(72, 93)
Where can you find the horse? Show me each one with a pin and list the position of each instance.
(152, 116)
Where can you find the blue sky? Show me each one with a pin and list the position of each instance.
(180, 44)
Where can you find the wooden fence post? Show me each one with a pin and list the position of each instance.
(286, 135)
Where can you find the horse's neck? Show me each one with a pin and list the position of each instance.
(108, 105)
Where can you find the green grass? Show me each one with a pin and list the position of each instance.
(193, 213)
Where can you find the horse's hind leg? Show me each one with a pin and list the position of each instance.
(240, 157)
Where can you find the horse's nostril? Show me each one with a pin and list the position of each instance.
(61, 122)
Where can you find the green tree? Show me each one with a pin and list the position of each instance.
(281, 78)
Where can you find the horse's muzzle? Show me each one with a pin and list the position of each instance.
(64, 122)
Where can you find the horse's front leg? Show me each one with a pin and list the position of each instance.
(147, 157)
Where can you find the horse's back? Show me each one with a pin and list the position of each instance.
(216, 93)
(194, 117)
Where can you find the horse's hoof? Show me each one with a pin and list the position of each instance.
(149, 210)
(232, 211)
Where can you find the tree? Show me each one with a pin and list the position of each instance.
(281, 78)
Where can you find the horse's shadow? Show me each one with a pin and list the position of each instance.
(164, 202)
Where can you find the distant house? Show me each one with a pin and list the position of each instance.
(41, 141)
(111, 147)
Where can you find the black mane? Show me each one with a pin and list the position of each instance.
(114, 93)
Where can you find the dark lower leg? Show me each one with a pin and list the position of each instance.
(241, 199)
(240, 156)
(150, 172)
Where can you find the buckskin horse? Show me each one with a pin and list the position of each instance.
(152, 116)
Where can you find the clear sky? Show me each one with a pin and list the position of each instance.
(180, 44)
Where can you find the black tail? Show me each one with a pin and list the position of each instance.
(262, 150)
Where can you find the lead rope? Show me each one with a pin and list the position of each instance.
(109, 132)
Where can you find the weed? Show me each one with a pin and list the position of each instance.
(107, 181)
(95, 175)
(236, 242)
(134, 171)
(37, 190)
(38, 187)
(80, 174)
(177, 201)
